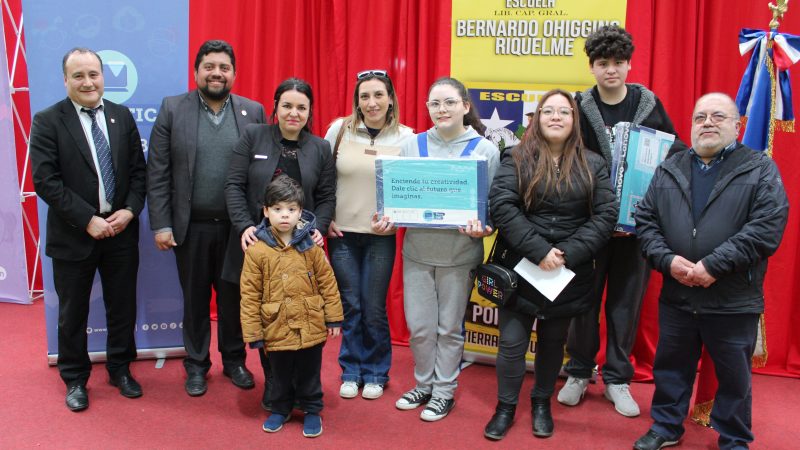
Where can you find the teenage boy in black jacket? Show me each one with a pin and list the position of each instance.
(601, 107)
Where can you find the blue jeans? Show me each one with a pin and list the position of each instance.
(363, 266)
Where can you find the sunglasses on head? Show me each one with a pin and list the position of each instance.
(375, 73)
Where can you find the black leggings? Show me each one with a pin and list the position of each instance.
(515, 332)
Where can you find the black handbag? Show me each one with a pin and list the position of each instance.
(495, 282)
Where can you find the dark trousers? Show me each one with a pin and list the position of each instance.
(515, 335)
(296, 376)
(621, 263)
(199, 260)
(730, 340)
(117, 261)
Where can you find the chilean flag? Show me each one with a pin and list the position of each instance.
(754, 98)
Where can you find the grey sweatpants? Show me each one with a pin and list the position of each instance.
(435, 299)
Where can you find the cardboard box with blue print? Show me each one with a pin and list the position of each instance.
(637, 151)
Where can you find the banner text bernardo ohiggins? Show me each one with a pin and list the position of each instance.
(553, 37)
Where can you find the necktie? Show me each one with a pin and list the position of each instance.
(103, 155)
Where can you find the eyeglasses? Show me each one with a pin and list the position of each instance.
(716, 118)
(448, 103)
(563, 111)
(374, 73)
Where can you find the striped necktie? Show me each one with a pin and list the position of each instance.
(103, 155)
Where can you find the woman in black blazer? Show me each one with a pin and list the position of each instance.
(264, 151)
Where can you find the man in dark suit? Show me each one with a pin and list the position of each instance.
(190, 149)
(88, 167)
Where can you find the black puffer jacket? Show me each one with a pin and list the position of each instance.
(564, 222)
(740, 226)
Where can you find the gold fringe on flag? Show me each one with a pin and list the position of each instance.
(760, 353)
(701, 413)
(773, 93)
(787, 126)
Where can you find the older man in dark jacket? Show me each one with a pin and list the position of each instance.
(711, 218)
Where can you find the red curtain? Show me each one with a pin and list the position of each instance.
(683, 49)
(326, 43)
(689, 48)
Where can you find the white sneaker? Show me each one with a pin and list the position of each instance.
(573, 391)
(620, 396)
(372, 391)
(349, 389)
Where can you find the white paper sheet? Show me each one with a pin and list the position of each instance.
(549, 282)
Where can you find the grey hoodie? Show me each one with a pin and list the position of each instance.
(448, 248)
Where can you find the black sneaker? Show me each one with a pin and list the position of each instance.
(437, 409)
(412, 399)
(653, 441)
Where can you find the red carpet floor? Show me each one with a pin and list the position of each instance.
(33, 412)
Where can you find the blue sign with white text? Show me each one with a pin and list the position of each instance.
(144, 48)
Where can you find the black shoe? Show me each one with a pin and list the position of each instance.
(77, 398)
(653, 441)
(437, 409)
(542, 419)
(196, 384)
(240, 376)
(128, 387)
(501, 421)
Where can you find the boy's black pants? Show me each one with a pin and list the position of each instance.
(296, 376)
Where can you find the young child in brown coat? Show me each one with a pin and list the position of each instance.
(290, 304)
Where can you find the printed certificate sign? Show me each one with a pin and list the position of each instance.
(432, 192)
(637, 152)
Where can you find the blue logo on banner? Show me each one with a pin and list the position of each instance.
(121, 77)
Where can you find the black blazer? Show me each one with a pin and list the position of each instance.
(253, 164)
(64, 175)
(171, 158)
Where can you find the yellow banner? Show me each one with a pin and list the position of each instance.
(527, 41)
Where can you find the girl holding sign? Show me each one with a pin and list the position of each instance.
(552, 203)
(437, 262)
(362, 259)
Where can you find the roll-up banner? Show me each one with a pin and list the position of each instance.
(144, 48)
(509, 53)
(13, 268)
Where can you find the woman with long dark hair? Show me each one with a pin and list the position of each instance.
(265, 151)
(363, 259)
(552, 203)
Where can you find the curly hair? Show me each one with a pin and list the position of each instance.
(610, 41)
